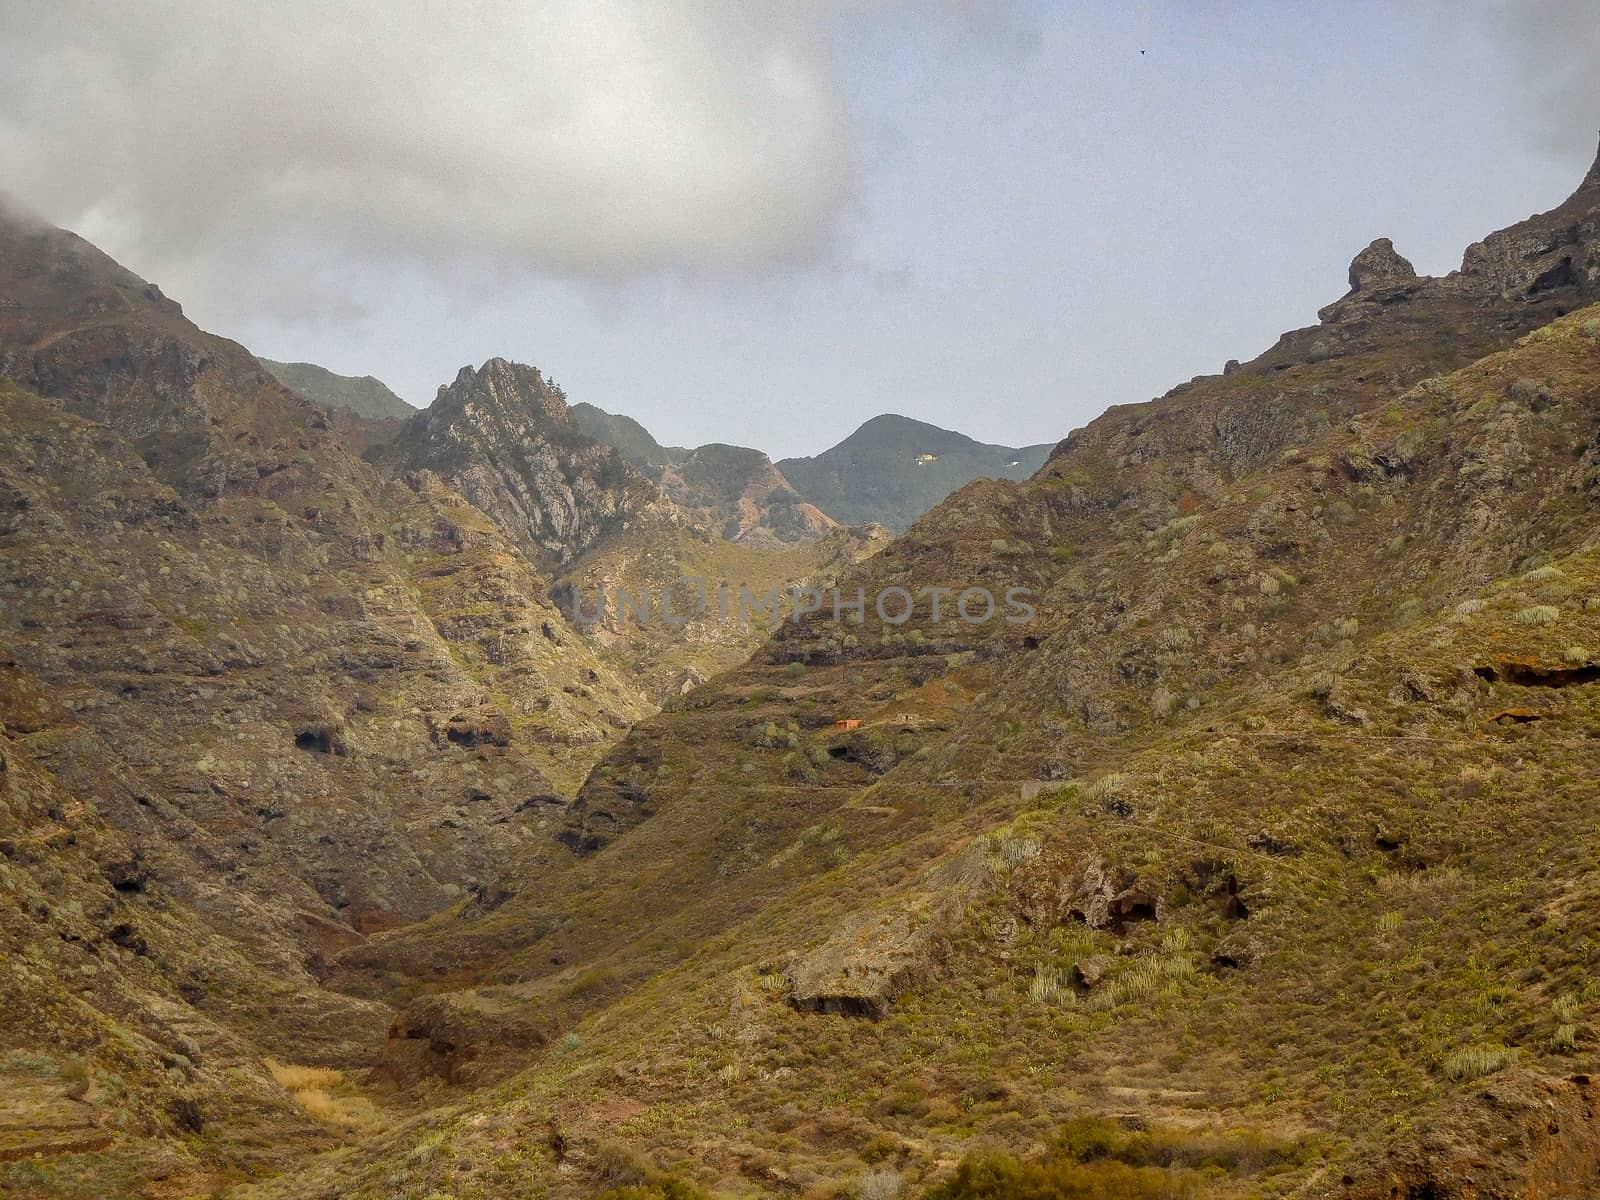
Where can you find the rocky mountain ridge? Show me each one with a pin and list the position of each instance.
(503, 437)
(890, 471)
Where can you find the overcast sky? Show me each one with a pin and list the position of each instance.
(764, 222)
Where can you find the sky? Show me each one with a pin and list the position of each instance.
(764, 222)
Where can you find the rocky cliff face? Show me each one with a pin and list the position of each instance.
(729, 492)
(503, 437)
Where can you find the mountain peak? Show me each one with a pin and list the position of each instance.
(507, 385)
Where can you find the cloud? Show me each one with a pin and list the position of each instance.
(1553, 47)
(596, 139)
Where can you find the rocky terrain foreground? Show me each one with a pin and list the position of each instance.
(338, 862)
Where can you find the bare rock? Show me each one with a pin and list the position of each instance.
(1380, 268)
(484, 725)
(1088, 972)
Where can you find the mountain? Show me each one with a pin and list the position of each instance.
(1258, 862)
(732, 492)
(258, 702)
(740, 491)
(889, 471)
(503, 437)
(361, 395)
(631, 439)
(1249, 851)
(893, 469)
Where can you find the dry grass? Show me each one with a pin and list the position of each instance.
(299, 1079)
(311, 1088)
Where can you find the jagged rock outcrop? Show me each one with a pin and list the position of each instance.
(502, 436)
(724, 491)
(1554, 255)
(1521, 1134)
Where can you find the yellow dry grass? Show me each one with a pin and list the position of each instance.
(297, 1079)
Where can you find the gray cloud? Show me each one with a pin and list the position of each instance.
(591, 138)
(1553, 46)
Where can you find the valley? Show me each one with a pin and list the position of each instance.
(338, 860)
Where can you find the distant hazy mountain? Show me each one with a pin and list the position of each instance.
(629, 438)
(890, 471)
(734, 491)
(362, 395)
(894, 469)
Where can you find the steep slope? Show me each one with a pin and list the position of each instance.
(1306, 713)
(259, 702)
(631, 439)
(665, 657)
(893, 469)
(504, 438)
(361, 395)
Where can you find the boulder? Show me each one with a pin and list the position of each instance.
(1379, 268)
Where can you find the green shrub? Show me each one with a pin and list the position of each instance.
(884, 1183)
(1107, 787)
(1049, 985)
(667, 1188)
(1321, 685)
(798, 766)
(1529, 392)
(1008, 851)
